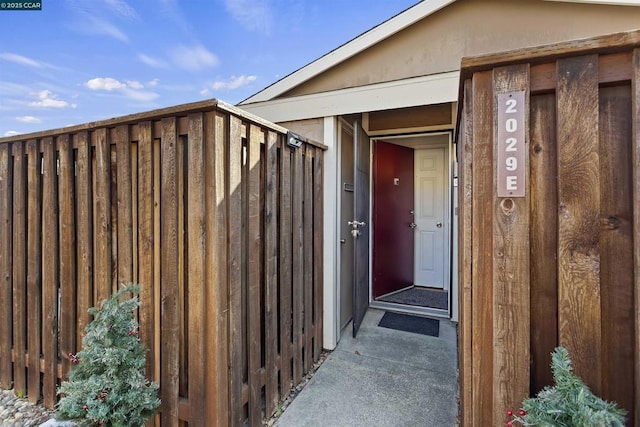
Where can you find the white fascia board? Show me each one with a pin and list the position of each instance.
(427, 90)
(349, 49)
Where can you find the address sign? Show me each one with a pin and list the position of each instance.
(511, 147)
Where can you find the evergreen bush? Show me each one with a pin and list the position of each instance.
(569, 403)
(107, 384)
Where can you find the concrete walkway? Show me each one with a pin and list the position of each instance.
(382, 378)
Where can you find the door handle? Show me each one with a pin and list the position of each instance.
(355, 224)
(413, 225)
(439, 224)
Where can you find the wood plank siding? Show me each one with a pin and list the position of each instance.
(559, 266)
(203, 205)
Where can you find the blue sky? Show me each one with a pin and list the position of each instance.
(78, 61)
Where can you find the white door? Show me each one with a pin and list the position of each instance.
(431, 243)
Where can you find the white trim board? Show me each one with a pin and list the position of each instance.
(426, 90)
(331, 266)
(349, 49)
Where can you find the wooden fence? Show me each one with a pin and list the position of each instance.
(210, 210)
(561, 265)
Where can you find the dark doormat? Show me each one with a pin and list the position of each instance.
(407, 323)
(416, 295)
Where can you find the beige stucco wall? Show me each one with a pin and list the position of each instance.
(471, 27)
(312, 129)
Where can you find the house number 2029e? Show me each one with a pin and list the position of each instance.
(511, 148)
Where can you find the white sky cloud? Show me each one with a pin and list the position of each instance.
(105, 83)
(132, 89)
(153, 83)
(28, 119)
(90, 24)
(101, 27)
(151, 61)
(19, 59)
(47, 99)
(134, 84)
(121, 8)
(98, 17)
(11, 133)
(234, 82)
(193, 58)
(253, 15)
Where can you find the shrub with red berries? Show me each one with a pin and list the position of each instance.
(107, 386)
(569, 402)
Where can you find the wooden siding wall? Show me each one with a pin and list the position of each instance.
(211, 212)
(560, 266)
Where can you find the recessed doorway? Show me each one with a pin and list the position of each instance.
(411, 237)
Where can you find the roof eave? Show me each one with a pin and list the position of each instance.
(349, 49)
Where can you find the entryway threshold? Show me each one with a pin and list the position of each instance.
(410, 309)
(383, 377)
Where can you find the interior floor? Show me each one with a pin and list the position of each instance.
(419, 296)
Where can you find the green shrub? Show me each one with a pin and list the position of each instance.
(107, 386)
(568, 403)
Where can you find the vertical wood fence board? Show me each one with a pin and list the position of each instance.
(616, 245)
(157, 254)
(194, 216)
(307, 251)
(196, 256)
(49, 271)
(34, 268)
(543, 239)
(244, 270)
(135, 226)
(145, 239)
(102, 215)
(113, 174)
(235, 275)
(464, 257)
(19, 250)
(271, 272)
(125, 200)
(298, 263)
(318, 234)
(244, 276)
(635, 173)
(84, 233)
(482, 269)
(6, 302)
(216, 293)
(511, 269)
(169, 322)
(579, 206)
(68, 282)
(183, 312)
(285, 260)
(254, 274)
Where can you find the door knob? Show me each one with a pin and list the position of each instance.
(439, 224)
(413, 225)
(356, 224)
